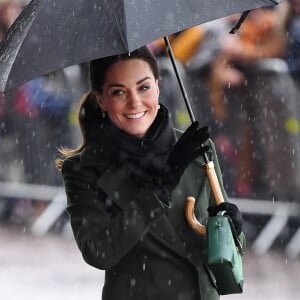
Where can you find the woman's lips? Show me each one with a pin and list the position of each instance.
(136, 116)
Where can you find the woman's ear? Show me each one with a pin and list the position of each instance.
(100, 100)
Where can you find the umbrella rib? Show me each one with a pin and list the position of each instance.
(5, 45)
(122, 29)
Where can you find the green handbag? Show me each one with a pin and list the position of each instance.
(225, 254)
(224, 248)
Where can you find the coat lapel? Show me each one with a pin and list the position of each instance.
(163, 231)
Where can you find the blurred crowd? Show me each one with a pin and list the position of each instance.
(243, 85)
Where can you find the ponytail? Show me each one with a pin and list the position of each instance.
(88, 110)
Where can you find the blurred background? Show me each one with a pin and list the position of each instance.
(245, 86)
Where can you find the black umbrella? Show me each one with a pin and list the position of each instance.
(53, 34)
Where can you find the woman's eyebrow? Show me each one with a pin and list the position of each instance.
(116, 85)
(122, 85)
(141, 80)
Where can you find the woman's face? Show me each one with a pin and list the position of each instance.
(130, 96)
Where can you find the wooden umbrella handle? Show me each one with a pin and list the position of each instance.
(190, 201)
(214, 182)
(191, 218)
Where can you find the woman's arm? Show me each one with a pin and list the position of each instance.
(108, 215)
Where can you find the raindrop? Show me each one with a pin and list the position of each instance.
(132, 282)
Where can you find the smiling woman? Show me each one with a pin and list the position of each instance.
(130, 96)
(127, 182)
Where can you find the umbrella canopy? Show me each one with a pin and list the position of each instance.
(53, 34)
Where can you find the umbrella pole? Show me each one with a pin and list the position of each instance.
(182, 88)
(210, 169)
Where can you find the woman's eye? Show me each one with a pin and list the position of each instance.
(117, 92)
(144, 87)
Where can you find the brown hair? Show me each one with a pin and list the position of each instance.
(89, 111)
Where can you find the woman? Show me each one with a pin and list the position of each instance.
(127, 183)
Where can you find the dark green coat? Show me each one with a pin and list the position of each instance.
(147, 250)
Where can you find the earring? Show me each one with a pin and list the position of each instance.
(103, 114)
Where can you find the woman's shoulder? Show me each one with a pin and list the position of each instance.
(71, 163)
(87, 160)
(73, 170)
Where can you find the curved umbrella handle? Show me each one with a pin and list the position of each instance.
(190, 201)
(191, 218)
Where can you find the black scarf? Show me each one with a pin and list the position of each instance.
(145, 155)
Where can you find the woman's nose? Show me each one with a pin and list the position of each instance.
(134, 99)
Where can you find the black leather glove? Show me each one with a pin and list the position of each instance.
(188, 147)
(231, 210)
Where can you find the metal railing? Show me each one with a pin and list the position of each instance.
(279, 214)
(55, 196)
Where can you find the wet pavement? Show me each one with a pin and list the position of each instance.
(51, 267)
